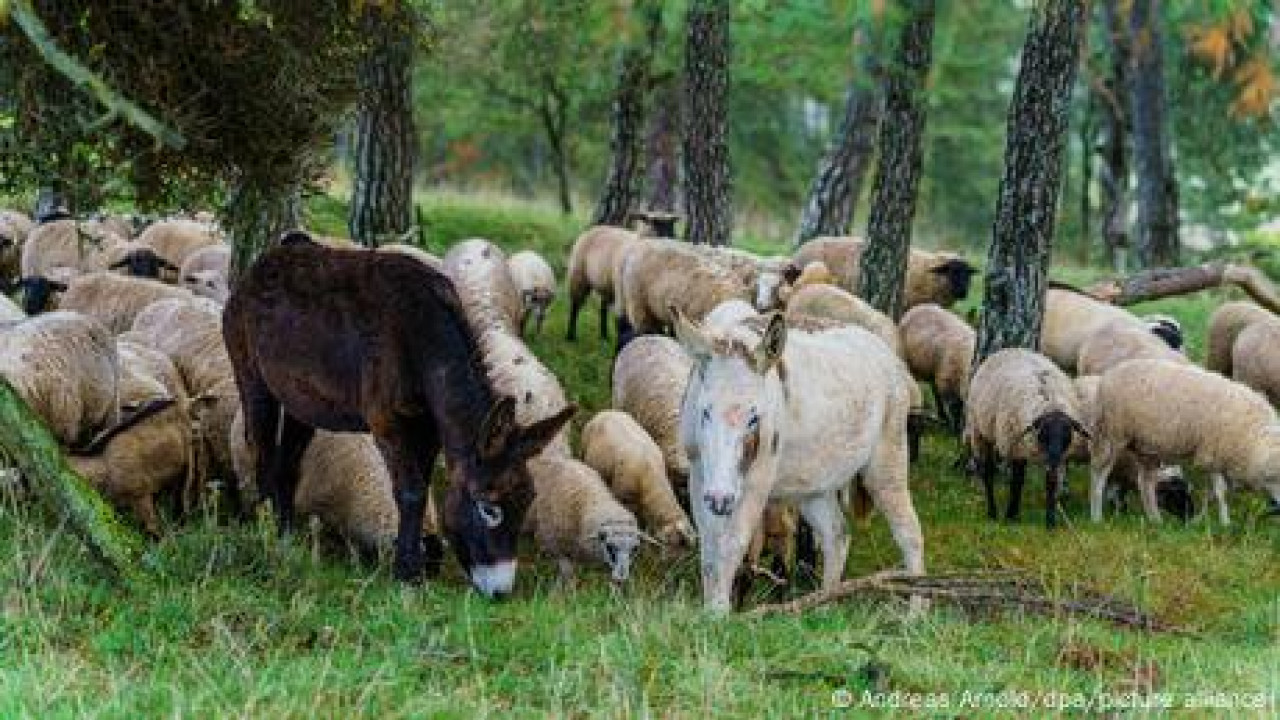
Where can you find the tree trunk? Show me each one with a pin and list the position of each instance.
(386, 141)
(255, 216)
(25, 439)
(835, 189)
(1156, 230)
(622, 187)
(1017, 263)
(705, 141)
(893, 196)
(662, 156)
(1114, 175)
(554, 109)
(1168, 282)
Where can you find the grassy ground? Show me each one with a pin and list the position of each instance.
(238, 623)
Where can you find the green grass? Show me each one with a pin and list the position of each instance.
(238, 623)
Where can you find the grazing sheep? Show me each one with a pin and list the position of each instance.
(205, 273)
(814, 273)
(55, 252)
(343, 482)
(1255, 358)
(1224, 325)
(938, 277)
(829, 301)
(176, 240)
(536, 282)
(65, 366)
(1070, 317)
(1122, 340)
(661, 275)
(1169, 412)
(131, 257)
(1013, 394)
(594, 265)
(115, 300)
(119, 225)
(938, 347)
(14, 227)
(615, 446)
(649, 379)
(414, 252)
(479, 270)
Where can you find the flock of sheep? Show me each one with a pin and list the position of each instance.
(781, 393)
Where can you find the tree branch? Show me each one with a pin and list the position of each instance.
(1165, 282)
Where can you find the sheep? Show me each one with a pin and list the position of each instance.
(615, 446)
(175, 240)
(536, 282)
(660, 276)
(938, 348)
(479, 270)
(414, 252)
(649, 378)
(813, 273)
(1255, 358)
(14, 227)
(205, 273)
(1013, 393)
(1118, 341)
(594, 264)
(1071, 316)
(55, 252)
(1168, 412)
(131, 257)
(938, 277)
(344, 483)
(119, 225)
(115, 300)
(10, 312)
(1224, 325)
(829, 301)
(66, 367)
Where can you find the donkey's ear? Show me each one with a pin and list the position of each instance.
(498, 429)
(535, 437)
(691, 337)
(772, 343)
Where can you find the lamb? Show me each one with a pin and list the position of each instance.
(343, 482)
(939, 277)
(938, 347)
(115, 300)
(1255, 358)
(205, 273)
(1014, 393)
(615, 446)
(414, 252)
(1227, 322)
(536, 282)
(14, 227)
(829, 301)
(661, 275)
(479, 270)
(1070, 317)
(1119, 341)
(66, 367)
(175, 240)
(594, 265)
(649, 379)
(1169, 412)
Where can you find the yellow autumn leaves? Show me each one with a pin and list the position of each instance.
(1216, 44)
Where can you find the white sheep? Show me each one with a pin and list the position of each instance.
(1225, 324)
(536, 282)
(10, 312)
(615, 446)
(14, 227)
(115, 300)
(66, 367)
(1071, 316)
(55, 252)
(206, 273)
(829, 301)
(937, 277)
(1118, 341)
(414, 252)
(1255, 358)
(649, 379)
(1170, 412)
(594, 264)
(1022, 407)
(479, 271)
(938, 348)
(175, 240)
(659, 276)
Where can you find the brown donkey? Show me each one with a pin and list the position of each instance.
(354, 341)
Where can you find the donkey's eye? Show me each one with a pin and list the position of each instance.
(490, 513)
(706, 416)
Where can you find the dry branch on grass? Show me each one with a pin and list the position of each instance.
(991, 589)
(1166, 282)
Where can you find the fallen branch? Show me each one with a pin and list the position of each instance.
(978, 590)
(1165, 282)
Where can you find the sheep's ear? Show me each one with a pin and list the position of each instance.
(535, 437)
(1075, 425)
(497, 429)
(166, 264)
(791, 273)
(119, 263)
(772, 343)
(692, 338)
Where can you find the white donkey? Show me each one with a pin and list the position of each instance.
(792, 416)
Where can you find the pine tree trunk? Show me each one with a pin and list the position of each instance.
(1114, 176)
(386, 141)
(255, 217)
(705, 139)
(554, 111)
(838, 184)
(893, 196)
(1018, 260)
(1156, 230)
(622, 187)
(25, 439)
(662, 155)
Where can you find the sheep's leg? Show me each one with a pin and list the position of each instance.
(577, 296)
(605, 303)
(955, 410)
(940, 403)
(541, 316)
(1100, 468)
(144, 508)
(987, 471)
(1218, 485)
(1017, 478)
(824, 515)
(1147, 479)
(1052, 491)
(524, 320)
(410, 452)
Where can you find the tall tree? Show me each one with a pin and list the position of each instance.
(623, 185)
(1156, 229)
(662, 148)
(705, 114)
(1114, 100)
(838, 183)
(893, 198)
(1022, 239)
(386, 142)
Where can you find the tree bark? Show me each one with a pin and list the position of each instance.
(626, 170)
(553, 108)
(1156, 229)
(662, 156)
(255, 216)
(1168, 282)
(1022, 241)
(705, 139)
(386, 141)
(838, 183)
(883, 265)
(25, 439)
(1114, 175)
